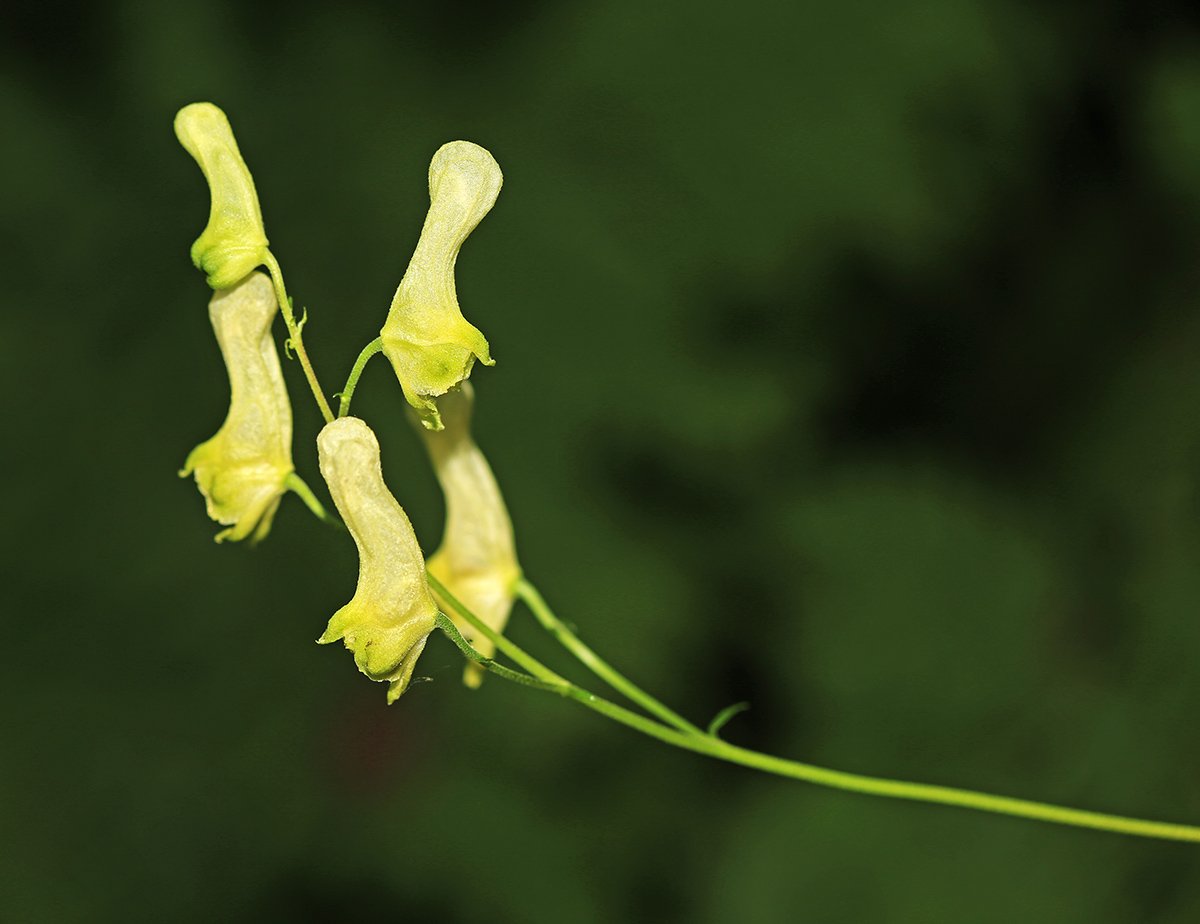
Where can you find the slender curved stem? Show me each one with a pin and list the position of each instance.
(545, 678)
(295, 339)
(713, 746)
(552, 624)
(359, 364)
(527, 661)
(447, 626)
(295, 483)
(918, 792)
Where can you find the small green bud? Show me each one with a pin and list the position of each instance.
(392, 613)
(241, 471)
(477, 561)
(430, 344)
(234, 241)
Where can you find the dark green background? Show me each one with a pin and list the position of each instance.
(848, 363)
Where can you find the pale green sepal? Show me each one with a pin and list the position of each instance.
(392, 613)
(234, 242)
(477, 561)
(243, 470)
(430, 345)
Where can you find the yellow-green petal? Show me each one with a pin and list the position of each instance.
(234, 242)
(477, 561)
(392, 613)
(430, 344)
(241, 471)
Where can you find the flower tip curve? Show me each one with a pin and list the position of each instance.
(242, 471)
(392, 613)
(234, 242)
(430, 344)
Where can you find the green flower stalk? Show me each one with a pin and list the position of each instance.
(392, 613)
(477, 561)
(245, 469)
(234, 242)
(430, 345)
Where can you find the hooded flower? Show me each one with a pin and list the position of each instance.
(477, 561)
(243, 469)
(234, 241)
(392, 613)
(430, 345)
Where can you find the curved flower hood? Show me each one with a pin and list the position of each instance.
(234, 242)
(431, 346)
(392, 613)
(242, 471)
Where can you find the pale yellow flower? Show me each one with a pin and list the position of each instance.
(430, 345)
(477, 561)
(242, 471)
(234, 241)
(392, 613)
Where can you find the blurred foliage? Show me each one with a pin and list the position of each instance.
(846, 365)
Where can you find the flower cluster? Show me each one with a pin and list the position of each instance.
(245, 469)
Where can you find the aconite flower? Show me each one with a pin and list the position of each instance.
(477, 561)
(244, 469)
(391, 615)
(234, 241)
(430, 345)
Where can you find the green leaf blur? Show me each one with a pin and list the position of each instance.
(846, 365)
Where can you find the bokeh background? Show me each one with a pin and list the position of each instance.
(848, 363)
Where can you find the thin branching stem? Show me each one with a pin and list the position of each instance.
(295, 483)
(594, 662)
(295, 339)
(525, 660)
(352, 382)
(710, 744)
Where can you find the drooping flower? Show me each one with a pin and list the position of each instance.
(234, 241)
(477, 561)
(392, 613)
(243, 470)
(430, 345)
